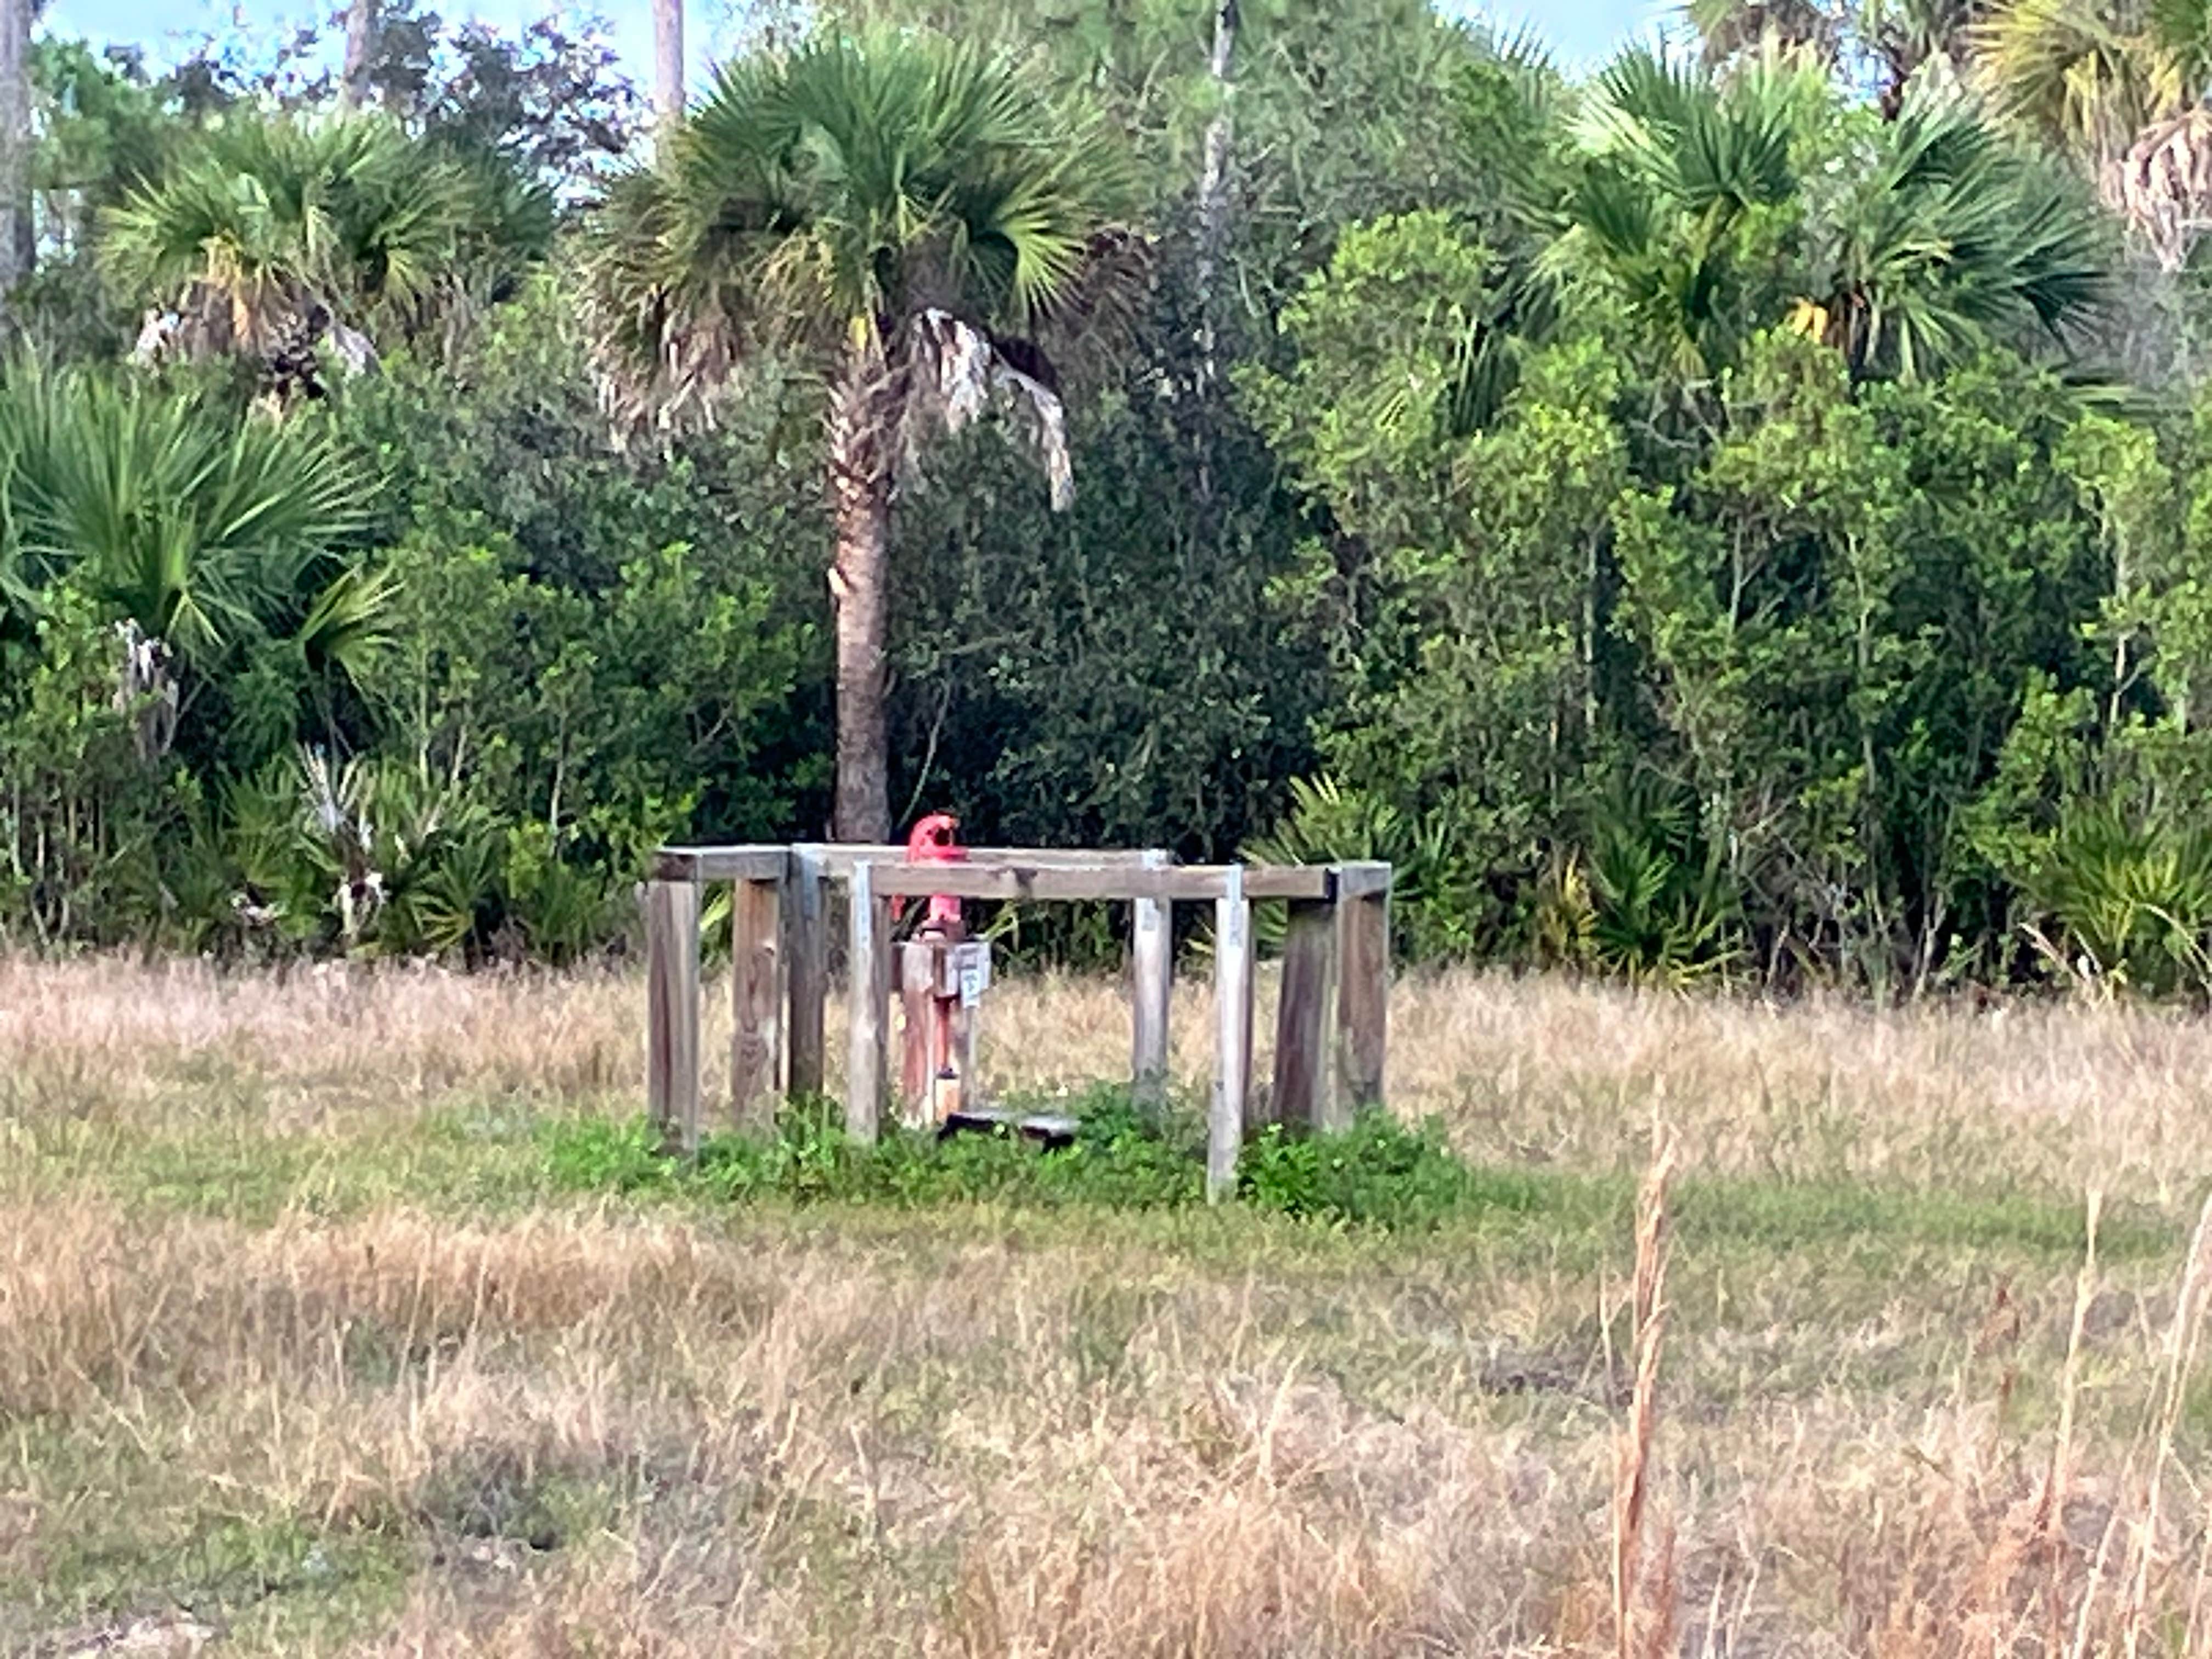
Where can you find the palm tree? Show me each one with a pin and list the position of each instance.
(274, 235)
(2087, 75)
(1921, 237)
(1945, 237)
(2121, 85)
(360, 50)
(1730, 27)
(1677, 166)
(1894, 37)
(904, 216)
(195, 530)
(667, 63)
(1903, 35)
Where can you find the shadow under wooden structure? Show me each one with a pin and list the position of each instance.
(1331, 1025)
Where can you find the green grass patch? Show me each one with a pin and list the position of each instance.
(485, 1159)
(1803, 1214)
(1380, 1175)
(279, 1572)
(1121, 1158)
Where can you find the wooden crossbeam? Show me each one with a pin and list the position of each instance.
(768, 863)
(1022, 873)
(838, 858)
(1018, 884)
(721, 863)
(1362, 880)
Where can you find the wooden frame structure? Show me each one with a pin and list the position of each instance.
(1331, 1027)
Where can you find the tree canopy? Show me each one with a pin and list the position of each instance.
(1736, 513)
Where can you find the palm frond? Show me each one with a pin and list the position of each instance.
(2163, 185)
(186, 519)
(1950, 237)
(1730, 26)
(2072, 71)
(348, 624)
(960, 372)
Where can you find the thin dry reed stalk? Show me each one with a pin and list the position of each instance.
(2050, 1506)
(1639, 1606)
(2177, 1363)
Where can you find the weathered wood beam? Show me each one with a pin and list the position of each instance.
(1362, 880)
(757, 1000)
(1303, 1092)
(807, 952)
(1151, 963)
(1232, 1053)
(1041, 872)
(1014, 884)
(869, 965)
(671, 1025)
(838, 858)
(721, 863)
(1363, 999)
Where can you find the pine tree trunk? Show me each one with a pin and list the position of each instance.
(16, 250)
(1213, 189)
(667, 63)
(863, 411)
(360, 47)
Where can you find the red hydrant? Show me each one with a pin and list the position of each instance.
(931, 842)
(937, 980)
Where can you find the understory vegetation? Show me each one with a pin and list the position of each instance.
(1120, 1155)
(1735, 513)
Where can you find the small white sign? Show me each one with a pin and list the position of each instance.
(972, 961)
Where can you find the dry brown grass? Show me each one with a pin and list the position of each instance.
(1527, 1071)
(298, 1355)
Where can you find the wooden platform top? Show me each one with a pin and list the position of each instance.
(1025, 873)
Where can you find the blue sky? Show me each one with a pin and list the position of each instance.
(1580, 31)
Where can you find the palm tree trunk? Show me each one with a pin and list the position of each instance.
(17, 249)
(667, 63)
(862, 415)
(360, 46)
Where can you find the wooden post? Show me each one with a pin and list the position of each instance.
(806, 952)
(869, 968)
(1232, 1014)
(1304, 1095)
(1362, 994)
(1152, 961)
(672, 1039)
(756, 1003)
(918, 973)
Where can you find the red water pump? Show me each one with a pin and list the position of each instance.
(942, 976)
(934, 841)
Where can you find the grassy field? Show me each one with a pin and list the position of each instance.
(303, 1349)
